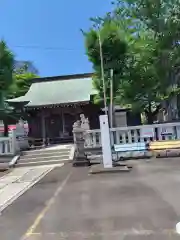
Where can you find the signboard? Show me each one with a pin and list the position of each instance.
(147, 132)
(167, 131)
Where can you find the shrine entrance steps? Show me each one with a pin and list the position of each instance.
(53, 155)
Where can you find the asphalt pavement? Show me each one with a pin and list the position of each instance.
(71, 204)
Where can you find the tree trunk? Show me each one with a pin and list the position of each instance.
(149, 114)
(150, 117)
(111, 117)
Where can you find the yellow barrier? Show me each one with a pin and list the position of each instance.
(163, 145)
(165, 148)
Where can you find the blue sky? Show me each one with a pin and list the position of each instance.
(48, 32)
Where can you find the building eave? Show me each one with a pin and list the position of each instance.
(61, 105)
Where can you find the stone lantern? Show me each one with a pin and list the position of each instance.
(79, 141)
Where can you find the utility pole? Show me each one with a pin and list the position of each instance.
(111, 98)
(102, 71)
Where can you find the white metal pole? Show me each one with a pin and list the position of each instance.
(102, 71)
(111, 98)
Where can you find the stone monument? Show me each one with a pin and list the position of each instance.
(84, 122)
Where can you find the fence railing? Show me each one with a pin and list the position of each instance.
(6, 146)
(132, 134)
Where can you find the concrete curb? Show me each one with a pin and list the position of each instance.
(4, 166)
(8, 165)
(14, 161)
(99, 169)
(10, 201)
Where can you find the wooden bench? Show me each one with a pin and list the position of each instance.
(165, 148)
(130, 150)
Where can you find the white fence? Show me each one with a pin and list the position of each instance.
(16, 141)
(132, 134)
(7, 146)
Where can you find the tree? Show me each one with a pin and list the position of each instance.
(22, 82)
(131, 57)
(114, 56)
(152, 33)
(141, 86)
(6, 79)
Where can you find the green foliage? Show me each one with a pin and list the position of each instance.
(150, 30)
(114, 56)
(6, 66)
(6, 79)
(12, 83)
(6, 72)
(21, 83)
(141, 84)
(158, 19)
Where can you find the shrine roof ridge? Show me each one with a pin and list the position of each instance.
(62, 77)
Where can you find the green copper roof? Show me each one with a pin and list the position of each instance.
(51, 92)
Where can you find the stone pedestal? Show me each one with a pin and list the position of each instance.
(80, 158)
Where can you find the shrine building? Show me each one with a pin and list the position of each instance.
(55, 103)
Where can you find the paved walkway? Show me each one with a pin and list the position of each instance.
(18, 181)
